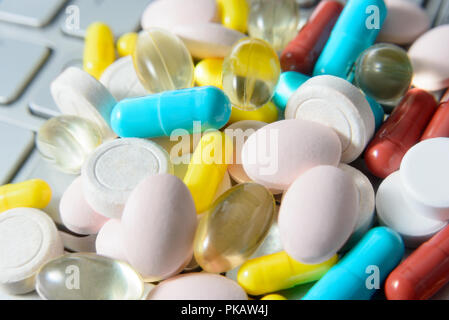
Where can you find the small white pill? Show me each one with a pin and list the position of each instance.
(28, 239)
(116, 168)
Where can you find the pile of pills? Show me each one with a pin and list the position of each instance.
(225, 152)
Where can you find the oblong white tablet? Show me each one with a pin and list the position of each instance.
(28, 239)
(405, 22)
(208, 40)
(75, 92)
(110, 241)
(198, 286)
(318, 214)
(366, 204)
(169, 13)
(121, 80)
(428, 55)
(76, 214)
(393, 212)
(338, 104)
(116, 168)
(425, 178)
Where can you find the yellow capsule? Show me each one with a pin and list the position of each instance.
(208, 73)
(126, 44)
(99, 49)
(278, 271)
(268, 113)
(274, 297)
(208, 167)
(29, 194)
(234, 14)
(234, 227)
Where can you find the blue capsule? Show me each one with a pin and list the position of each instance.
(160, 114)
(288, 83)
(356, 275)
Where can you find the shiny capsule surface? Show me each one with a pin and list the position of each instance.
(99, 49)
(250, 73)
(86, 276)
(28, 194)
(234, 227)
(234, 14)
(67, 141)
(126, 44)
(274, 21)
(208, 73)
(162, 61)
(384, 72)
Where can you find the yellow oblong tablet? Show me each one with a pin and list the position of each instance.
(126, 44)
(234, 14)
(99, 49)
(278, 271)
(268, 113)
(29, 194)
(274, 297)
(208, 73)
(207, 168)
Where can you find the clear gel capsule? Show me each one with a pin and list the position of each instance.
(67, 141)
(234, 227)
(87, 276)
(162, 61)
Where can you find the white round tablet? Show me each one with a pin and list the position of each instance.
(366, 204)
(75, 92)
(338, 104)
(28, 239)
(393, 212)
(116, 168)
(425, 178)
(121, 80)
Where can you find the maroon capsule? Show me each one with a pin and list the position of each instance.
(301, 53)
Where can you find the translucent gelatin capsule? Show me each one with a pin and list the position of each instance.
(384, 72)
(251, 73)
(162, 61)
(274, 21)
(67, 141)
(86, 276)
(234, 227)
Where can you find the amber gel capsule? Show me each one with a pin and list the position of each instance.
(234, 227)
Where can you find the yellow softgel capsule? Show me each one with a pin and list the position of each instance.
(162, 61)
(126, 44)
(208, 73)
(208, 167)
(274, 297)
(268, 113)
(234, 227)
(234, 14)
(250, 73)
(99, 49)
(278, 271)
(29, 194)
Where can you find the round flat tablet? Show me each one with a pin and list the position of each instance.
(28, 239)
(121, 80)
(77, 93)
(405, 22)
(425, 178)
(393, 212)
(428, 55)
(169, 13)
(116, 168)
(338, 104)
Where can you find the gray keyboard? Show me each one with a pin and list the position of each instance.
(40, 38)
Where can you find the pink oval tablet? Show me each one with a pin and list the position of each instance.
(318, 214)
(109, 241)
(405, 22)
(159, 223)
(170, 13)
(280, 152)
(76, 214)
(429, 56)
(198, 286)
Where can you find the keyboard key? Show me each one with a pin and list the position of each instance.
(121, 16)
(29, 12)
(443, 17)
(19, 63)
(16, 143)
